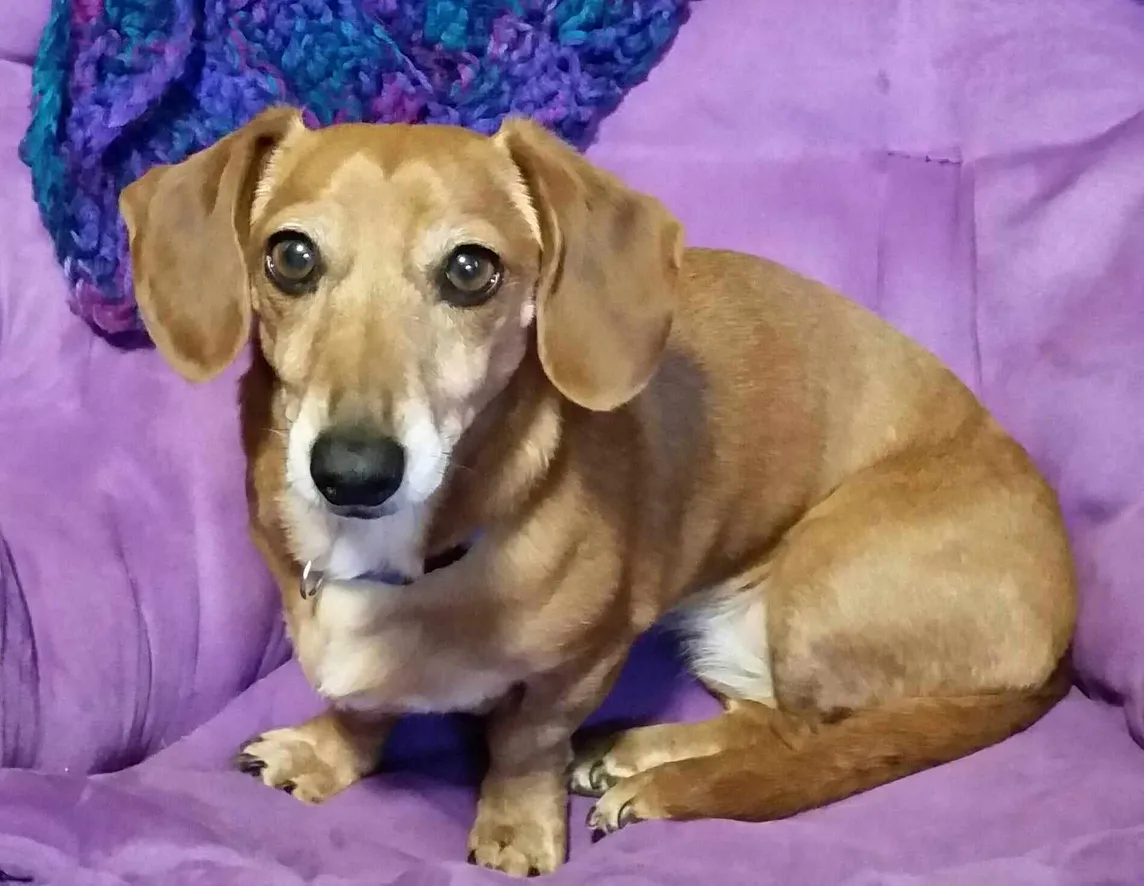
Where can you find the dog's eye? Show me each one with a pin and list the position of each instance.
(470, 276)
(292, 262)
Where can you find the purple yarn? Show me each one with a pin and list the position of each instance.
(123, 85)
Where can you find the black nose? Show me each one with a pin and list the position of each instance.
(354, 468)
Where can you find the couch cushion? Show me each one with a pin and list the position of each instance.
(133, 605)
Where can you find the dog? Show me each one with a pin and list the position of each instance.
(500, 421)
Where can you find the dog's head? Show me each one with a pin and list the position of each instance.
(397, 276)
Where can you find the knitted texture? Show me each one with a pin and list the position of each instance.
(122, 85)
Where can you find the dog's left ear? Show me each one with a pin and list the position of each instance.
(187, 225)
(609, 273)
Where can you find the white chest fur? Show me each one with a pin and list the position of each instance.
(367, 647)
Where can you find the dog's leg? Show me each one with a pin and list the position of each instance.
(329, 752)
(726, 637)
(522, 815)
(319, 758)
(771, 779)
(601, 763)
(911, 640)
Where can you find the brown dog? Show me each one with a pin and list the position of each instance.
(489, 343)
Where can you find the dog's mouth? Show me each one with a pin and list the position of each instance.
(362, 512)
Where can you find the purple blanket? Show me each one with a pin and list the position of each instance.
(973, 171)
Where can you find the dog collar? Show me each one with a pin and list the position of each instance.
(312, 579)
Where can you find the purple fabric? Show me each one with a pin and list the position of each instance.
(974, 171)
(131, 605)
(23, 21)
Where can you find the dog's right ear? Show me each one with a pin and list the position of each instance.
(187, 226)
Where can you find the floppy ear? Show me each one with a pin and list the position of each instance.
(609, 273)
(187, 225)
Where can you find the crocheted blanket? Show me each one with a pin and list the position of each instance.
(122, 85)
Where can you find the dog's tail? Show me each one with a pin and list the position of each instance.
(775, 779)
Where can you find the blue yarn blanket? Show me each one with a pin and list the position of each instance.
(122, 85)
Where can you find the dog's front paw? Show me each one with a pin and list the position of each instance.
(305, 761)
(518, 842)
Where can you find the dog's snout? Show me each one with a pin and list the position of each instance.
(355, 470)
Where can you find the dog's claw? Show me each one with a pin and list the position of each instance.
(598, 777)
(627, 816)
(593, 780)
(249, 764)
(601, 827)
